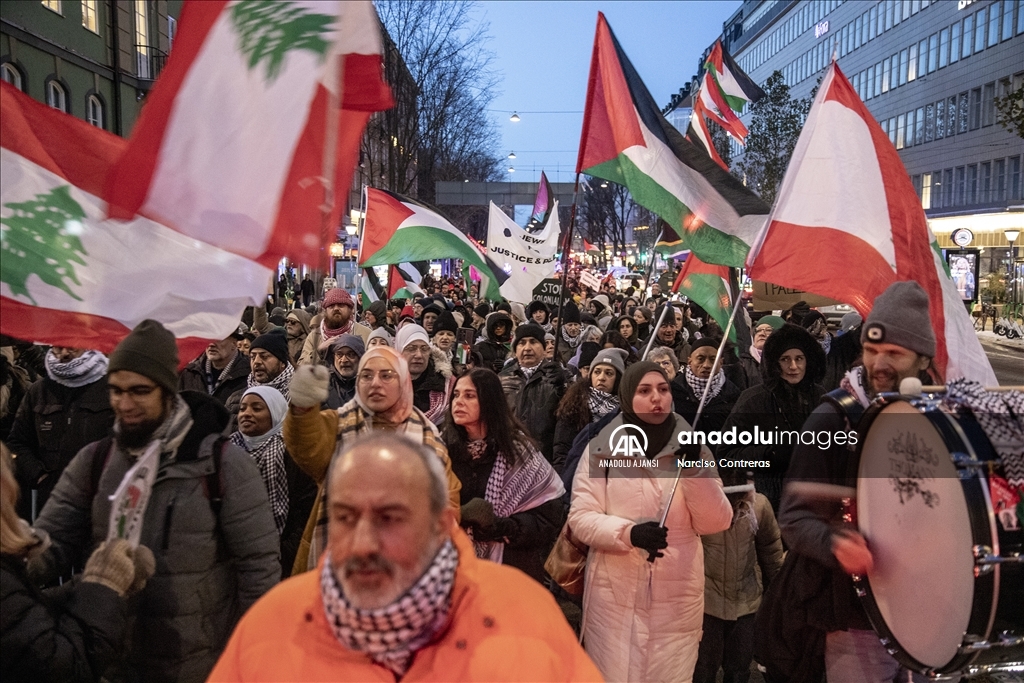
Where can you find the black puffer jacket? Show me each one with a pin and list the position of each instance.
(64, 635)
(535, 400)
(53, 423)
(193, 378)
(492, 350)
(340, 390)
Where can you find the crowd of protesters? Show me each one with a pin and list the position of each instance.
(405, 468)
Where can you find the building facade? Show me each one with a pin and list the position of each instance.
(94, 59)
(929, 72)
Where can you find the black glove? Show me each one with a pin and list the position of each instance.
(690, 452)
(478, 512)
(649, 536)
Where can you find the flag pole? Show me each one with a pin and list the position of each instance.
(331, 118)
(566, 247)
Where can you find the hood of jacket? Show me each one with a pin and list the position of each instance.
(493, 319)
(792, 337)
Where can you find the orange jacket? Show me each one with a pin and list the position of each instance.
(503, 627)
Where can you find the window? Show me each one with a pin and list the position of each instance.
(874, 29)
(975, 112)
(857, 29)
(892, 131)
(940, 119)
(986, 183)
(901, 129)
(11, 74)
(962, 113)
(979, 29)
(906, 9)
(937, 189)
(988, 105)
(56, 96)
(888, 14)
(933, 53)
(94, 111)
(919, 127)
(968, 36)
(915, 6)
(954, 43)
(929, 123)
(999, 189)
(1007, 19)
(855, 82)
(90, 18)
(947, 184)
(961, 187)
(943, 48)
(878, 79)
(884, 125)
(926, 191)
(903, 66)
(912, 70)
(142, 62)
(994, 15)
(1020, 18)
(1014, 173)
(885, 75)
(951, 117)
(865, 27)
(172, 29)
(972, 184)
(53, 5)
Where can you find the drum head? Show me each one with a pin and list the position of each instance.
(912, 511)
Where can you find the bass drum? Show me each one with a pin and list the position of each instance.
(946, 594)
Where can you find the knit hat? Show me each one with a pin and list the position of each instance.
(504, 306)
(446, 321)
(275, 343)
(773, 320)
(482, 310)
(407, 312)
(900, 316)
(811, 318)
(151, 351)
(338, 296)
(588, 352)
(408, 334)
(382, 333)
(613, 357)
(537, 306)
(434, 308)
(570, 313)
(532, 330)
(850, 321)
(459, 318)
(705, 341)
(518, 311)
(587, 319)
(350, 341)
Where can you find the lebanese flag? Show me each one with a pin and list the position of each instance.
(70, 276)
(715, 108)
(708, 287)
(626, 140)
(255, 124)
(401, 230)
(847, 223)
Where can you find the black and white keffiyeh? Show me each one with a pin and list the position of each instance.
(391, 635)
(269, 455)
(213, 383)
(282, 382)
(573, 342)
(826, 343)
(523, 485)
(1001, 416)
(601, 403)
(86, 369)
(698, 384)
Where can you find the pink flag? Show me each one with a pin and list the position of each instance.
(847, 223)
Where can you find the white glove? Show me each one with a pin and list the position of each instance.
(309, 386)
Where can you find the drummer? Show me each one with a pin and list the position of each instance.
(898, 342)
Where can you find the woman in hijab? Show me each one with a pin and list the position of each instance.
(644, 599)
(642, 316)
(792, 366)
(511, 497)
(291, 491)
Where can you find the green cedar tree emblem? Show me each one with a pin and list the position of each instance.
(37, 238)
(270, 29)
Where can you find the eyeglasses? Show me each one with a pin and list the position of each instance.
(138, 391)
(386, 376)
(763, 329)
(347, 355)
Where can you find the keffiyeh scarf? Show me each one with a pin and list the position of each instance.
(826, 343)
(698, 385)
(282, 382)
(573, 342)
(853, 382)
(211, 383)
(1001, 416)
(327, 335)
(86, 369)
(269, 454)
(391, 635)
(601, 403)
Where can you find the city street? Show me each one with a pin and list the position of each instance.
(1007, 358)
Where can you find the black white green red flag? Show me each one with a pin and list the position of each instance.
(626, 140)
(708, 287)
(848, 223)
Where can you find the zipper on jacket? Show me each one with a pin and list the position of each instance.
(168, 516)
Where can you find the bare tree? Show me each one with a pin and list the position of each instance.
(445, 54)
(606, 210)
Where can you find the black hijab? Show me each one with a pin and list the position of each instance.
(657, 434)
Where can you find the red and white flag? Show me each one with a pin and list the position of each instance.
(70, 276)
(847, 223)
(255, 124)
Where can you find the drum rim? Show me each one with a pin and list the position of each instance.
(983, 532)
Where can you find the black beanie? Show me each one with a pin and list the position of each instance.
(570, 313)
(151, 351)
(528, 330)
(588, 352)
(504, 306)
(482, 310)
(275, 343)
(705, 341)
(446, 322)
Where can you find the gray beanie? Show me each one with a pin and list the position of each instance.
(900, 316)
(151, 351)
(383, 334)
(613, 357)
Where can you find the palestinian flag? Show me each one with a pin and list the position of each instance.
(708, 286)
(404, 279)
(401, 230)
(699, 134)
(734, 89)
(626, 140)
(589, 248)
(370, 289)
(669, 245)
(714, 107)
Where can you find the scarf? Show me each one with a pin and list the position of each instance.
(1001, 416)
(170, 433)
(268, 451)
(327, 335)
(391, 635)
(601, 403)
(524, 484)
(826, 343)
(86, 369)
(853, 382)
(477, 448)
(573, 342)
(282, 382)
(755, 353)
(211, 384)
(528, 372)
(698, 385)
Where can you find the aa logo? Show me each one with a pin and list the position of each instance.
(628, 441)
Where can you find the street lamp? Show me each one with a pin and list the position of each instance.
(512, 155)
(514, 118)
(351, 229)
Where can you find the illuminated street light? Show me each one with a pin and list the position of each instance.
(514, 118)
(511, 155)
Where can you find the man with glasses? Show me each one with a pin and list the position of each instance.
(383, 402)
(346, 351)
(216, 551)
